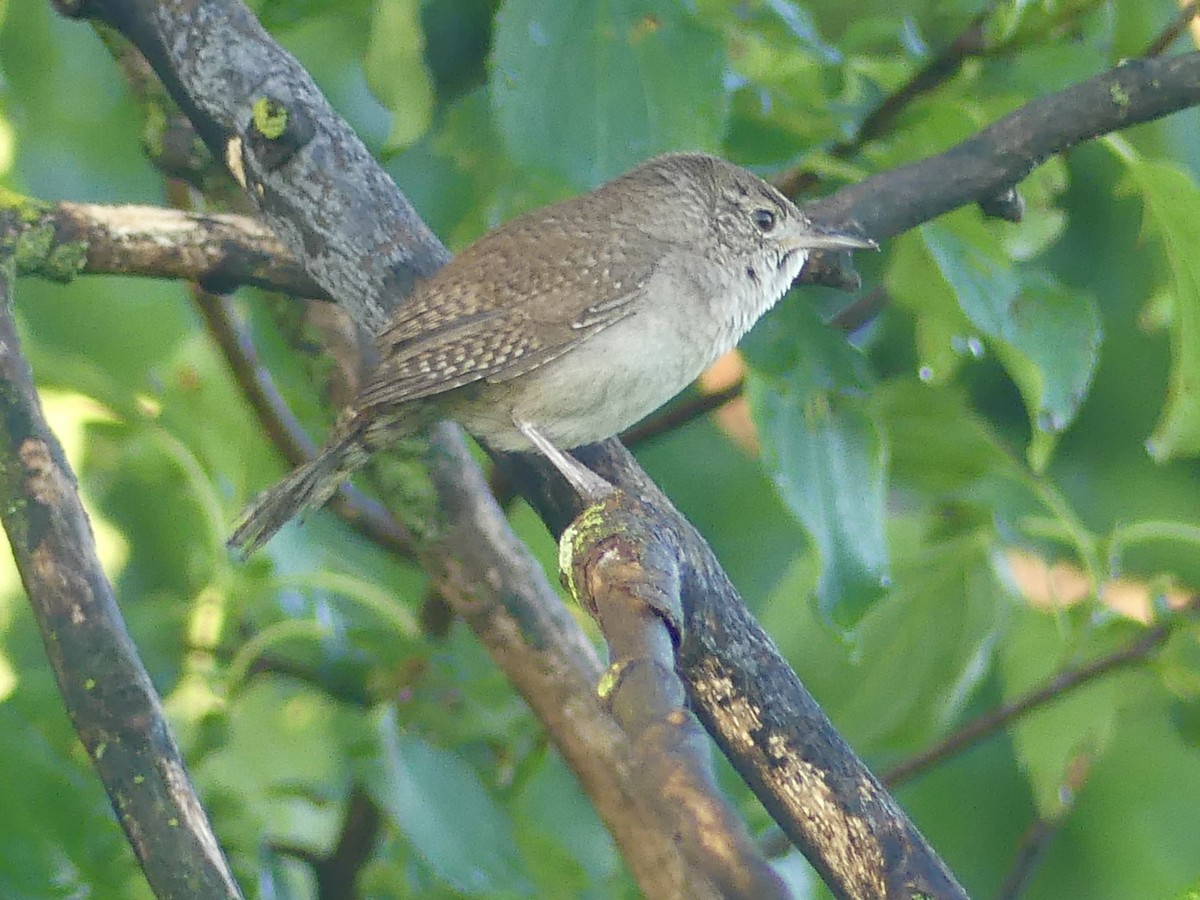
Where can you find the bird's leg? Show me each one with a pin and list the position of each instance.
(587, 483)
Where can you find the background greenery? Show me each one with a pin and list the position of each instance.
(1027, 396)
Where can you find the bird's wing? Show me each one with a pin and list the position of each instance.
(448, 334)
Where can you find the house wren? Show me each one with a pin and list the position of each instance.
(569, 324)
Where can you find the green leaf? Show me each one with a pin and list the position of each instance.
(450, 819)
(1046, 336)
(563, 842)
(396, 71)
(942, 330)
(824, 451)
(917, 655)
(937, 444)
(588, 89)
(57, 844)
(791, 89)
(1171, 204)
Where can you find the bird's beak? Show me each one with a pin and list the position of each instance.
(824, 237)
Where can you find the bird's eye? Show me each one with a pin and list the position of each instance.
(764, 219)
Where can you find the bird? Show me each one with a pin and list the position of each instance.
(568, 324)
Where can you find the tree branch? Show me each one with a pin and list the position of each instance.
(1037, 838)
(220, 251)
(337, 874)
(628, 580)
(937, 71)
(1137, 651)
(112, 704)
(1187, 13)
(754, 706)
(1006, 151)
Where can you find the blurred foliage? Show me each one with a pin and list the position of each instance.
(1029, 394)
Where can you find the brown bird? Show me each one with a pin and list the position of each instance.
(569, 324)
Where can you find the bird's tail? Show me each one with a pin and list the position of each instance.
(307, 487)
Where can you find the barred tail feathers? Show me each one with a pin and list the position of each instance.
(307, 487)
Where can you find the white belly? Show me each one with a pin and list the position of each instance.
(620, 375)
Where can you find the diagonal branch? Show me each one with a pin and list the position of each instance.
(628, 581)
(751, 702)
(107, 692)
(1005, 152)
(1136, 652)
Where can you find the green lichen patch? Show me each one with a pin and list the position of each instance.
(270, 118)
(154, 127)
(575, 539)
(32, 247)
(1119, 95)
(65, 260)
(25, 208)
(36, 251)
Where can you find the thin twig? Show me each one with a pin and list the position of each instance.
(678, 414)
(934, 73)
(1036, 840)
(337, 873)
(1177, 27)
(1070, 679)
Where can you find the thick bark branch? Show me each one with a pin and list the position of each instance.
(628, 579)
(107, 692)
(310, 177)
(997, 158)
(756, 709)
(220, 251)
(489, 579)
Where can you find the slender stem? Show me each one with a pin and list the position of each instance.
(1036, 840)
(984, 726)
(1080, 536)
(679, 414)
(929, 77)
(1125, 536)
(287, 630)
(1178, 25)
